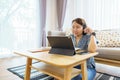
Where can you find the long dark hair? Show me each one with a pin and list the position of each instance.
(81, 22)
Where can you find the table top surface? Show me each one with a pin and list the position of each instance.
(55, 59)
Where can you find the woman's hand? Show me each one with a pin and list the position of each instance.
(88, 30)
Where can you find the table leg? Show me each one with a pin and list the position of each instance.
(84, 70)
(28, 69)
(67, 73)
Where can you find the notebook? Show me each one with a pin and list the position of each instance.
(62, 45)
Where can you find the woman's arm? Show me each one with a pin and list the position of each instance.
(92, 46)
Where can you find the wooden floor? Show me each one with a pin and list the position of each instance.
(7, 63)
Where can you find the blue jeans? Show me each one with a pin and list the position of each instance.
(91, 74)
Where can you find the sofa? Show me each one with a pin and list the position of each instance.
(108, 47)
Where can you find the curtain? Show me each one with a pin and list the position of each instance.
(43, 22)
(61, 9)
(98, 14)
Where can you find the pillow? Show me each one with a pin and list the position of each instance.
(108, 38)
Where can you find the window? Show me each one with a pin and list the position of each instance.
(19, 24)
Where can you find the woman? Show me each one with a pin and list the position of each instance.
(83, 37)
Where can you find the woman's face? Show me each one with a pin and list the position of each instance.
(77, 29)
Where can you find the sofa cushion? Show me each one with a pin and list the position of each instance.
(109, 53)
(56, 33)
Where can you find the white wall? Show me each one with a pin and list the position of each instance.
(51, 16)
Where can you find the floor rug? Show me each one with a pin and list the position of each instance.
(35, 75)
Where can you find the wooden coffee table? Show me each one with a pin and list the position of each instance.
(59, 66)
